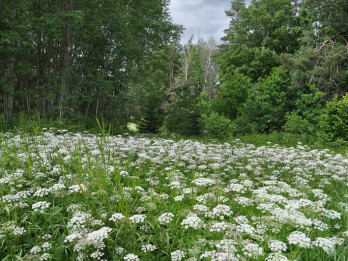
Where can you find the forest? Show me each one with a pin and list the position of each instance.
(281, 66)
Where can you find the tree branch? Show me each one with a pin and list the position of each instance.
(330, 40)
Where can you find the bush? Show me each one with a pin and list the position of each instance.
(334, 122)
(217, 126)
(231, 95)
(310, 103)
(296, 124)
(268, 102)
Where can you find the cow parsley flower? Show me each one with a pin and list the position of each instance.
(220, 211)
(46, 246)
(45, 256)
(140, 218)
(192, 221)
(165, 218)
(277, 246)
(276, 257)
(120, 250)
(118, 217)
(19, 231)
(77, 188)
(40, 206)
(299, 238)
(220, 226)
(35, 250)
(148, 248)
(179, 198)
(203, 182)
(131, 257)
(327, 244)
(253, 250)
(177, 255)
(200, 209)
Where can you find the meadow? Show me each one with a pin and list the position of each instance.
(81, 196)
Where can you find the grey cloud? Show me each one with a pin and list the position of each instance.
(202, 18)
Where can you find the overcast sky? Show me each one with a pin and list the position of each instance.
(202, 18)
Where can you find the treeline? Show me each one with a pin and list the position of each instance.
(282, 67)
(82, 59)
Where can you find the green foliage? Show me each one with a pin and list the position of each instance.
(183, 121)
(268, 101)
(152, 112)
(217, 126)
(77, 59)
(231, 95)
(296, 124)
(268, 24)
(204, 105)
(334, 123)
(253, 62)
(309, 105)
(195, 77)
(331, 15)
(183, 114)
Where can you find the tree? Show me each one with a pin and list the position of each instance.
(231, 95)
(234, 15)
(268, 101)
(207, 51)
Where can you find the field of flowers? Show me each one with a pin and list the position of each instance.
(78, 196)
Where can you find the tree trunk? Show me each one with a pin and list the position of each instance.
(8, 100)
(67, 60)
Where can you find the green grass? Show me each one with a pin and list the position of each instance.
(291, 140)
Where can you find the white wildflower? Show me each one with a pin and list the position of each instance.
(118, 217)
(165, 218)
(46, 246)
(220, 211)
(203, 182)
(276, 257)
(253, 250)
(40, 206)
(120, 250)
(140, 218)
(299, 238)
(177, 255)
(192, 221)
(148, 248)
(19, 231)
(277, 246)
(97, 255)
(35, 250)
(327, 244)
(45, 256)
(179, 198)
(131, 257)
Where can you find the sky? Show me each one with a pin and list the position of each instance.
(202, 18)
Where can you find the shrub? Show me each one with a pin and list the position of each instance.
(231, 95)
(310, 103)
(217, 126)
(334, 122)
(296, 124)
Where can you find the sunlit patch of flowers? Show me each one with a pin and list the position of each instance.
(79, 196)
